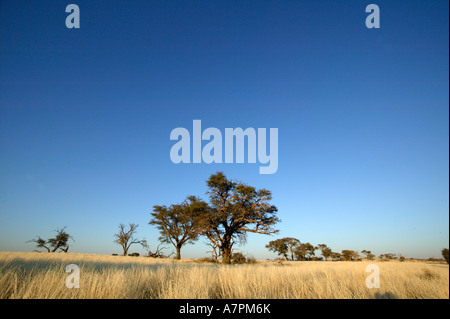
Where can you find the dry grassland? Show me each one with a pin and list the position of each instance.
(42, 275)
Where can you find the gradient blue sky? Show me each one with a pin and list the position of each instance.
(362, 114)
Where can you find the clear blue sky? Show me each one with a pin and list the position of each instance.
(362, 114)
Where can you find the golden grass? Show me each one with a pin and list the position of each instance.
(42, 275)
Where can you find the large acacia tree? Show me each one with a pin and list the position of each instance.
(236, 209)
(180, 223)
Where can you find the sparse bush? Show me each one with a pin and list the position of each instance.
(427, 274)
(317, 258)
(208, 260)
(238, 258)
(387, 257)
(251, 260)
(368, 254)
(279, 261)
(134, 254)
(335, 256)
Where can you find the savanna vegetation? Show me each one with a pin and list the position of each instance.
(233, 209)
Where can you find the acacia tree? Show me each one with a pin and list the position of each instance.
(305, 251)
(335, 256)
(325, 250)
(388, 256)
(236, 209)
(283, 246)
(368, 254)
(348, 255)
(60, 241)
(126, 238)
(278, 246)
(181, 223)
(215, 242)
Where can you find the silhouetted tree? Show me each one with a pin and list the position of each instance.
(125, 238)
(40, 243)
(60, 241)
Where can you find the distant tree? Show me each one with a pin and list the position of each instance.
(292, 244)
(305, 251)
(283, 246)
(348, 255)
(368, 254)
(40, 243)
(335, 256)
(445, 254)
(180, 224)
(60, 241)
(278, 246)
(325, 250)
(327, 253)
(236, 209)
(387, 257)
(126, 238)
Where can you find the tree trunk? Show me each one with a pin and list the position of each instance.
(226, 255)
(226, 249)
(178, 252)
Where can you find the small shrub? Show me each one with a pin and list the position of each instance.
(208, 260)
(251, 260)
(427, 274)
(238, 258)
